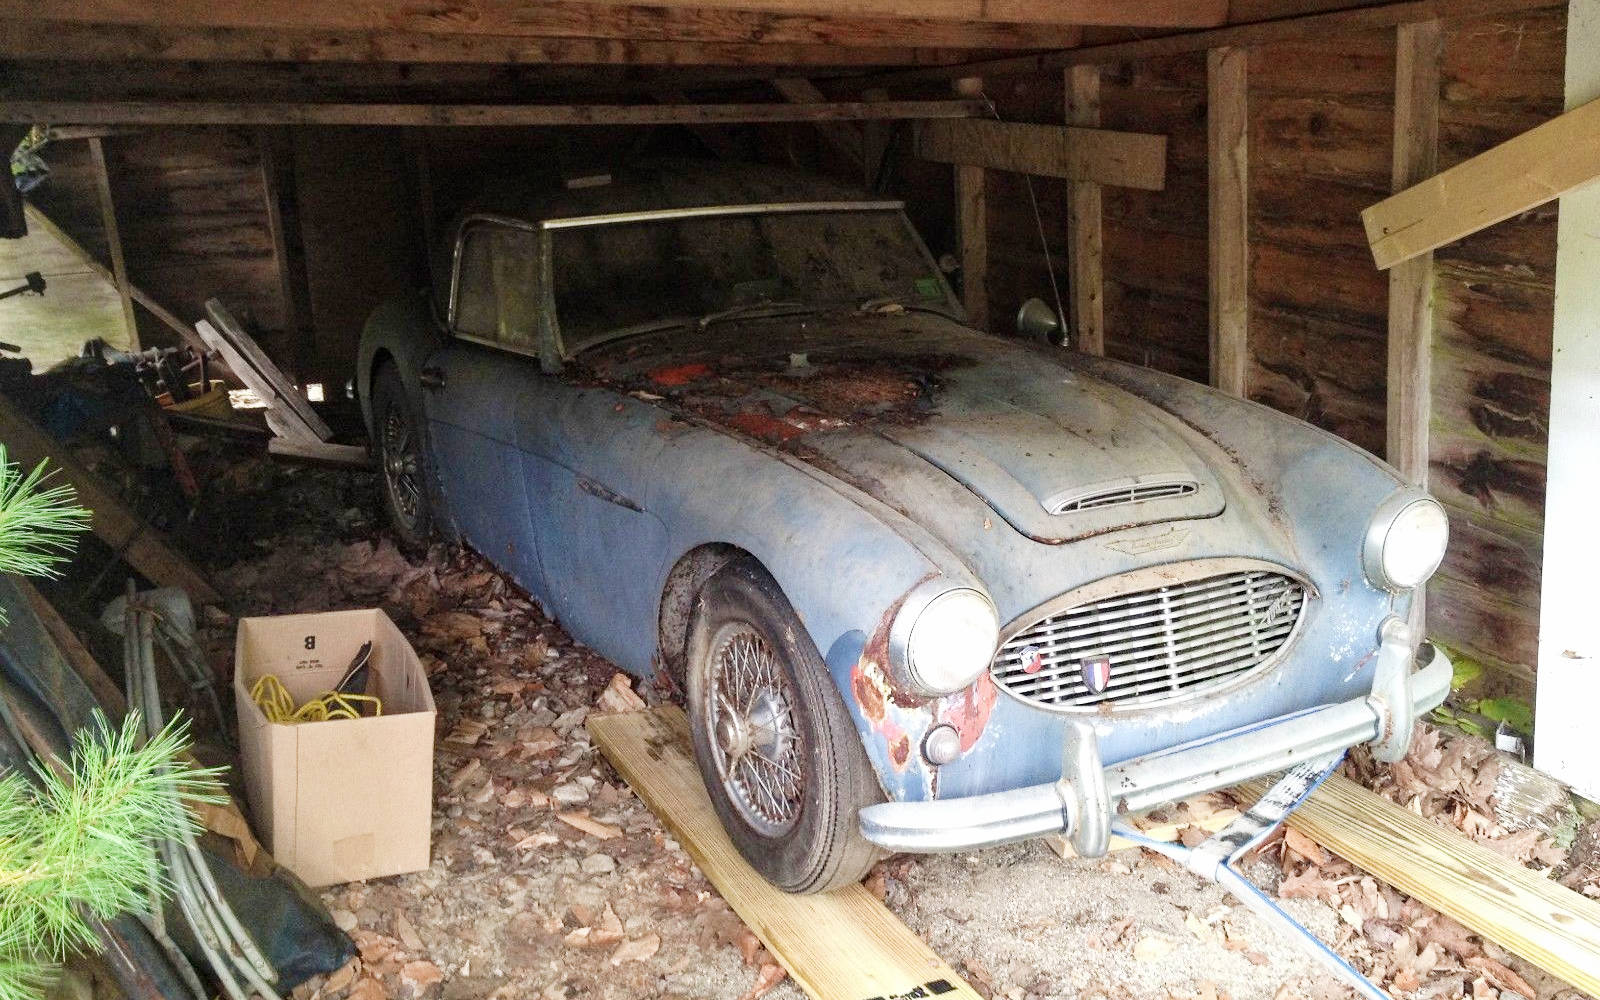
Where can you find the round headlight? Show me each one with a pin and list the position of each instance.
(1405, 541)
(952, 640)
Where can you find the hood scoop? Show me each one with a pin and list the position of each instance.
(1065, 461)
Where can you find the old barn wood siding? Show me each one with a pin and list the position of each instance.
(1494, 294)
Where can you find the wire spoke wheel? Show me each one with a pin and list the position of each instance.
(755, 742)
(402, 465)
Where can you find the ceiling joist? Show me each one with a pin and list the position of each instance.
(1121, 159)
(218, 113)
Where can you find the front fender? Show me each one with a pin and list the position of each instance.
(404, 331)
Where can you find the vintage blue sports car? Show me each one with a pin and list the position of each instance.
(923, 588)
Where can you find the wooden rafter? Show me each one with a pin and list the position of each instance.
(1122, 159)
(1264, 32)
(555, 19)
(221, 113)
(108, 222)
(37, 39)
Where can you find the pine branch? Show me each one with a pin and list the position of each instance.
(38, 522)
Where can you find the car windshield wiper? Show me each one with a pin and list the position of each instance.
(756, 309)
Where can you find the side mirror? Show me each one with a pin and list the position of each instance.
(1037, 321)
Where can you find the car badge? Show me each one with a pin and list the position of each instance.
(1032, 659)
(1096, 671)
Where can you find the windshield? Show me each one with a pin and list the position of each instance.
(617, 276)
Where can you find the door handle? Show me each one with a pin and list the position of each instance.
(430, 377)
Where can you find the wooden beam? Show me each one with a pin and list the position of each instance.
(283, 223)
(37, 219)
(1416, 156)
(972, 226)
(134, 540)
(844, 138)
(840, 945)
(341, 30)
(1522, 173)
(1122, 159)
(1520, 910)
(1263, 32)
(1085, 246)
(220, 113)
(83, 663)
(521, 18)
(1569, 642)
(35, 39)
(1228, 258)
(108, 220)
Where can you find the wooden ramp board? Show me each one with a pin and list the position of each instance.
(842, 945)
(1525, 913)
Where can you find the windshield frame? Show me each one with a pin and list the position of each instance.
(548, 227)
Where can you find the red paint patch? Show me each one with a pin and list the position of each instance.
(900, 751)
(680, 374)
(766, 427)
(969, 710)
(868, 696)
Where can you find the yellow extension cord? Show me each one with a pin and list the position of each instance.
(278, 705)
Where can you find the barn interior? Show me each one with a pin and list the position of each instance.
(1190, 184)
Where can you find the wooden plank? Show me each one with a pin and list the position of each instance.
(1289, 28)
(285, 404)
(972, 227)
(1123, 159)
(1513, 177)
(144, 547)
(199, 29)
(58, 40)
(841, 945)
(288, 252)
(513, 17)
(37, 219)
(1228, 144)
(108, 219)
(1085, 241)
(844, 137)
(1568, 645)
(223, 113)
(344, 456)
(72, 648)
(1410, 348)
(1518, 909)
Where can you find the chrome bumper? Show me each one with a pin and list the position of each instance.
(1084, 801)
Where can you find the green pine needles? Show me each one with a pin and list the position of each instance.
(38, 522)
(76, 843)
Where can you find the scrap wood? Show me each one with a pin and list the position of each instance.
(144, 548)
(841, 945)
(1516, 908)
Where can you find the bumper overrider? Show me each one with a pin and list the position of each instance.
(1088, 796)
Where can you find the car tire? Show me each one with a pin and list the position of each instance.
(785, 770)
(400, 452)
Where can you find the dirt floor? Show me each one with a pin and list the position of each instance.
(551, 880)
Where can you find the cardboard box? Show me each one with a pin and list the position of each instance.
(346, 799)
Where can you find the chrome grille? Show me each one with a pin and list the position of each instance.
(1165, 644)
(1120, 495)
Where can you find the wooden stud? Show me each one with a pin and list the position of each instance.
(1416, 157)
(1227, 145)
(972, 224)
(1085, 244)
(144, 548)
(1521, 173)
(844, 137)
(840, 945)
(283, 222)
(1520, 910)
(108, 219)
(1122, 159)
(225, 113)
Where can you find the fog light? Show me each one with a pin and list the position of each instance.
(941, 745)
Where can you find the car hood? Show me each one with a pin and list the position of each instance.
(918, 411)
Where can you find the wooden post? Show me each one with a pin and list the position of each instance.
(108, 219)
(972, 215)
(1084, 243)
(283, 222)
(1569, 642)
(1227, 144)
(1416, 157)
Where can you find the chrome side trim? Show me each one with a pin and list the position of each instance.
(658, 214)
